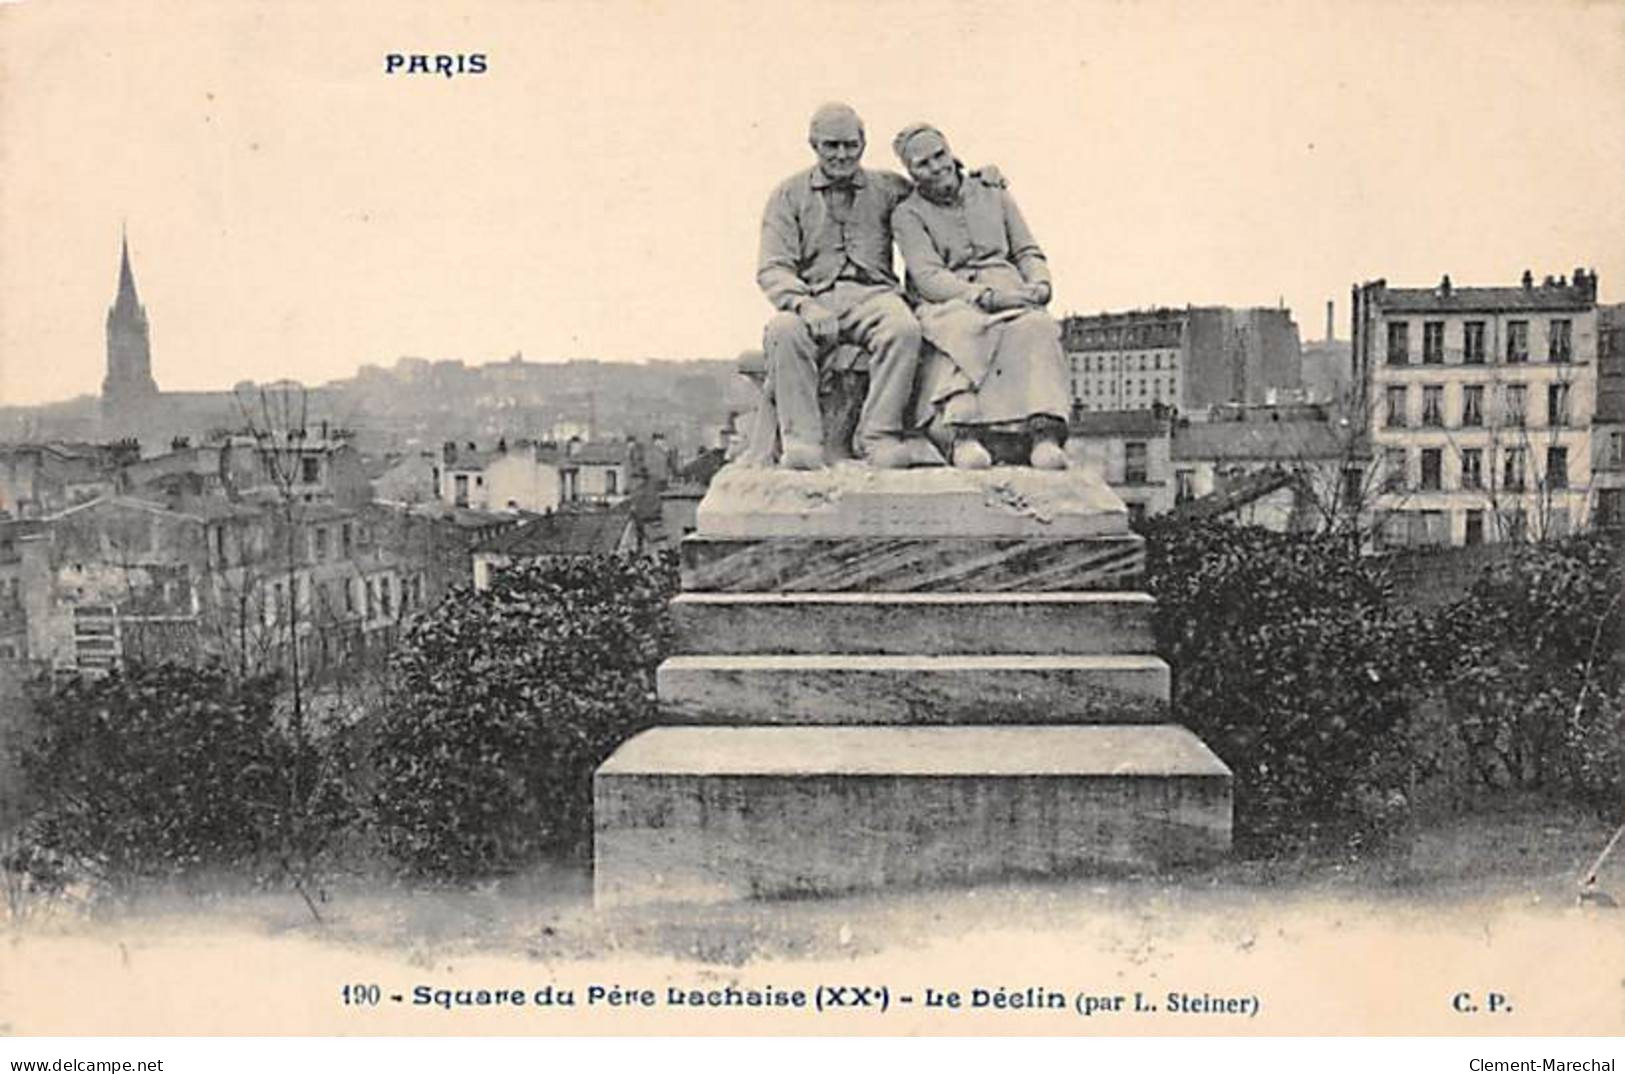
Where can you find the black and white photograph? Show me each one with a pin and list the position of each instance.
(718, 519)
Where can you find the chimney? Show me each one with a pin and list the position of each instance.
(1586, 282)
(1444, 285)
(1330, 331)
(448, 451)
(572, 447)
(1528, 279)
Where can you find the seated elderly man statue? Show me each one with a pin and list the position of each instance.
(993, 380)
(826, 265)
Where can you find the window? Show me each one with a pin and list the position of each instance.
(1472, 351)
(1472, 405)
(1393, 469)
(349, 598)
(611, 478)
(1432, 404)
(345, 537)
(310, 469)
(1513, 524)
(1353, 485)
(1517, 400)
(1184, 485)
(319, 543)
(1396, 406)
(1616, 449)
(1429, 528)
(460, 484)
(1512, 470)
(1472, 468)
(1557, 404)
(1134, 463)
(1517, 341)
(1560, 340)
(1557, 467)
(1475, 527)
(1432, 467)
(1433, 342)
(1392, 529)
(1610, 508)
(1399, 343)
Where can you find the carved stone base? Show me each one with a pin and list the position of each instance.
(855, 500)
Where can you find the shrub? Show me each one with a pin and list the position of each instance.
(1289, 662)
(1536, 686)
(166, 769)
(503, 704)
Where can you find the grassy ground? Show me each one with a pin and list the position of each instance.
(1519, 850)
(1333, 942)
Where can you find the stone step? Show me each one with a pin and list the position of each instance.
(934, 623)
(709, 813)
(897, 689)
(912, 564)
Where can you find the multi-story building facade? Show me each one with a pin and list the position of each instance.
(1608, 423)
(1189, 359)
(1479, 402)
(1130, 450)
(123, 578)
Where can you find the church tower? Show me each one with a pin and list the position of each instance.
(128, 388)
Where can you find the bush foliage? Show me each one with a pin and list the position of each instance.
(504, 703)
(1535, 691)
(1289, 660)
(167, 769)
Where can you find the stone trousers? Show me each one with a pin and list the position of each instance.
(872, 317)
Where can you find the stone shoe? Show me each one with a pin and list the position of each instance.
(971, 455)
(801, 456)
(1047, 455)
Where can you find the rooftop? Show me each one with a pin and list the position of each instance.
(1284, 440)
(1557, 294)
(563, 533)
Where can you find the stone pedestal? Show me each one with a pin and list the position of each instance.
(894, 678)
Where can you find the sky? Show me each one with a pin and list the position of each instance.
(294, 211)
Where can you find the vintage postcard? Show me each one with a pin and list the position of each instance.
(721, 518)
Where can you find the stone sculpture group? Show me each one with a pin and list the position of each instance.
(962, 361)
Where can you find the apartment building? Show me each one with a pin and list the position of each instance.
(1188, 359)
(1479, 402)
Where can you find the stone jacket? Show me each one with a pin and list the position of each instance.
(954, 250)
(811, 238)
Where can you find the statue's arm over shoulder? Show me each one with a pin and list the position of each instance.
(1025, 253)
(932, 277)
(778, 264)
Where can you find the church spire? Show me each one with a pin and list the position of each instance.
(126, 300)
(129, 385)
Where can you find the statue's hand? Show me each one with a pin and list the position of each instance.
(989, 175)
(823, 324)
(995, 299)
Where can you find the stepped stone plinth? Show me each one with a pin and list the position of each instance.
(706, 813)
(895, 678)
